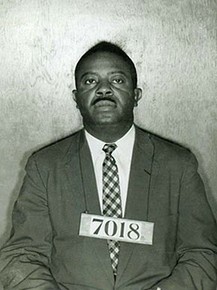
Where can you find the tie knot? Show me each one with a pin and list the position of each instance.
(109, 148)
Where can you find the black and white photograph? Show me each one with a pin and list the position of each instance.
(108, 121)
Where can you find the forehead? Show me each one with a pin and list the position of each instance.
(101, 61)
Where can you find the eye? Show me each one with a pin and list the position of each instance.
(90, 81)
(118, 80)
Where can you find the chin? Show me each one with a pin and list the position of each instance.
(106, 122)
(106, 119)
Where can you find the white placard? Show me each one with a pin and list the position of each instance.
(118, 229)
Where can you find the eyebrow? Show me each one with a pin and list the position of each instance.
(119, 72)
(93, 73)
(88, 73)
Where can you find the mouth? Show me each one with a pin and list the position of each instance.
(104, 102)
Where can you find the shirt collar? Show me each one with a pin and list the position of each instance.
(124, 144)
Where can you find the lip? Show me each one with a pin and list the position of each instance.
(104, 102)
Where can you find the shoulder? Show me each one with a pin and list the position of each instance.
(57, 153)
(168, 151)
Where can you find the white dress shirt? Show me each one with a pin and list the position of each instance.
(123, 157)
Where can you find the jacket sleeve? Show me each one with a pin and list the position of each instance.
(25, 258)
(196, 246)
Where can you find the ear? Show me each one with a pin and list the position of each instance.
(74, 95)
(137, 96)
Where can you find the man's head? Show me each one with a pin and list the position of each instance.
(106, 87)
(110, 48)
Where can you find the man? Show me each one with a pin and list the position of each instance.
(112, 206)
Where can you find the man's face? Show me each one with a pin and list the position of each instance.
(105, 93)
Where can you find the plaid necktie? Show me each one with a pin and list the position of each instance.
(111, 198)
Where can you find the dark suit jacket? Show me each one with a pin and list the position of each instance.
(46, 252)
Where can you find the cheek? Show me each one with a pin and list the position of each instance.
(86, 89)
(84, 98)
(125, 97)
(125, 90)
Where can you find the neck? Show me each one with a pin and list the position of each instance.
(108, 133)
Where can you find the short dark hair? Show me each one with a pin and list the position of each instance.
(105, 46)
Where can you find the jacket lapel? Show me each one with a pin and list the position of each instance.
(81, 177)
(138, 190)
(87, 183)
(88, 178)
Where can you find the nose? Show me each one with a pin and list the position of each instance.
(104, 89)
